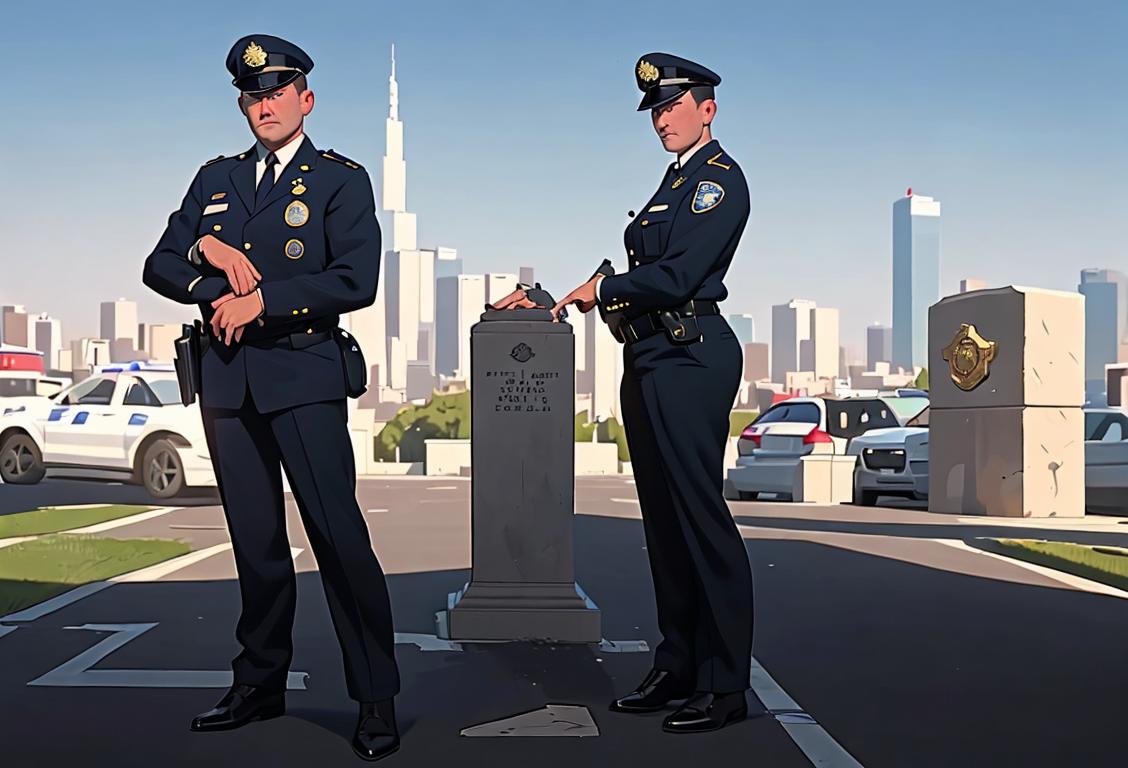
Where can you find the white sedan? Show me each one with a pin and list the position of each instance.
(124, 423)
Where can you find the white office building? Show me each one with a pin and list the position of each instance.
(458, 306)
(791, 326)
(119, 321)
(916, 276)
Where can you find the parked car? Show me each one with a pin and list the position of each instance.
(883, 466)
(906, 407)
(125, 423)
(1106, 460)
(771, 447)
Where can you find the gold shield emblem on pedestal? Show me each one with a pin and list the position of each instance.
(969, 357)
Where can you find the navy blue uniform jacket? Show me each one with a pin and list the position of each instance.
(315, 241)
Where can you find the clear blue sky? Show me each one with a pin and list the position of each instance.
(524, 148)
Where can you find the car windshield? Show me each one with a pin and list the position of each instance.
(850, 418)
(906, 408)
(804, 413)
(920, 420)
(166, 390)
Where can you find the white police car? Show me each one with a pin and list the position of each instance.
(123, 423)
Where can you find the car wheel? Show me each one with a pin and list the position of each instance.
(162, 471)
(21, 462)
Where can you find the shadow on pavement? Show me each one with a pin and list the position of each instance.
(60, 492)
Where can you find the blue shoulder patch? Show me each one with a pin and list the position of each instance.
(707, 196)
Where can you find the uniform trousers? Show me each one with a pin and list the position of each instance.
(676, 400)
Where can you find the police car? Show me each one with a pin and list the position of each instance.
(122, 423)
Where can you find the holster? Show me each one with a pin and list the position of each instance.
(189, 355)
(356, 370)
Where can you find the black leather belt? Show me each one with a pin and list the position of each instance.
(651, 323)
(298, 340)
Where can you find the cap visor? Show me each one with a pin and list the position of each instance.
(265, 81)
(662, 94)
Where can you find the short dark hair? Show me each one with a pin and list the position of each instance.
(300, 84)
(701, 92)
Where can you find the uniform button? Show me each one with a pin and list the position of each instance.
(246, 246)
(630, 252)
(295, 311)
(260, 322)
(645, 222)
(305, 310)
(305, 167)
(217, 227)
(309, 330)
(637, 262)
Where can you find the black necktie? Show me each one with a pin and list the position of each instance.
(267, 180)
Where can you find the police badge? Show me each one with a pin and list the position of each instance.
(969, 357)
(708, 196)
(297, 213)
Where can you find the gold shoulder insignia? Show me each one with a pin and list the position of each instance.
(713, 161)
(330, 154)
(213, 160)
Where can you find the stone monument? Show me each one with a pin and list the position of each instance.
(1006, 383)
(522, 583)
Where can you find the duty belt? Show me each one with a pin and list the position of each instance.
(627, 331)
(298, 340)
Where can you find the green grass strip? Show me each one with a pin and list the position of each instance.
(1108, 565)
(54, 519)
(34, 571)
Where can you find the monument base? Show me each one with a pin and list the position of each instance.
(520, 611)
(1007, 462)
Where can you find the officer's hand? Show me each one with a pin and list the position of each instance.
(519, 299)
(241, 273)
(583, 297)
(232, 313)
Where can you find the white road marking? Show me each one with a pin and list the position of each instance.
(109, 525)
(626, 501)
(16, 540)
(160, 570)
(199, 527)
(1069, 579)
(427, 642)
(371, 511)
(814, 742)
(442, 488)
(55, 603)
(77, 672)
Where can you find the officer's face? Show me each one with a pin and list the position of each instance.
(276, 116)
(681, 123)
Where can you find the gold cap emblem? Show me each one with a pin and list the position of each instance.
(254, 56)
(969, 357)
(647, 72)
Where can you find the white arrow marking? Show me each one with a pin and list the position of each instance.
(77, 672)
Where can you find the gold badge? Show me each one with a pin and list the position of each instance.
(678, 182)
(254, 55)
(297, 213)
(298, 187)
(969, 357)
(647, 72)
(294, 249)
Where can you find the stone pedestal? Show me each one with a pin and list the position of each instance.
(522, 582)
(1006, 375)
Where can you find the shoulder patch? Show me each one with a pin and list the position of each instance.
(707, 196)
(716, 160)
(331, 155)
(213, 160)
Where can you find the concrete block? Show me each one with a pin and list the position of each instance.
(824, 478)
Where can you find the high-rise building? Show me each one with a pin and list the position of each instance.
(756, 367)
(969, 284)
(825, 349)
(160, 341)
(1106, 307)
(528, 275)
(395, 172)
(499, 285)
(18, 326)
(744, 327)
(604, 370)
(447, 262)
(879, 345)
(119, 321)
(458, 306)
(916, 276)
(49, 339)
(791, 325)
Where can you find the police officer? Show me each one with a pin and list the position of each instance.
(681, 374)
(273, 244)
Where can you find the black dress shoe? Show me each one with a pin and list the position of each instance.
(241, 705)
(376, 734)
(653, 693)
(707, 712)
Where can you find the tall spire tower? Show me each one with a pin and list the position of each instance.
(395, 172)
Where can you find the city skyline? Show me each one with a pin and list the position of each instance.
(816, 121)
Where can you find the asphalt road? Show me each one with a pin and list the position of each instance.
(909, 648)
